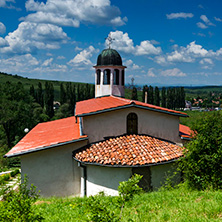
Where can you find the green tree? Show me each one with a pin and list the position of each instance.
(145, 90)
(202, 163)
(156, 96)
(15, 111)
(134, 94)
(150, 98)
(163, 97)
(40, 95)
(62, 94)
(49, 98)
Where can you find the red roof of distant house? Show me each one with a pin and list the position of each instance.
(185, 131)
(108, 103)
(130, 150)
(48, 134)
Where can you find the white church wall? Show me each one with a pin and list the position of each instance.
(113, 123)
(53, 171)
(159, 174)
(105, 179)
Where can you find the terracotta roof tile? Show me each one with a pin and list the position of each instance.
(103, 104)
(129, 150)
(48, 134)
(185, 131)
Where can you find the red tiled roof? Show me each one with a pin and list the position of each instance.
(129, 150)
(48, 134)
(107, 103)
(185, 131)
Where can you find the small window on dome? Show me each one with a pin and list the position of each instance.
(98, 73)
(132, 123)
(106, 77)
(116, 77)
(122, 79)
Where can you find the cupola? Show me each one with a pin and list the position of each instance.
(110, 74)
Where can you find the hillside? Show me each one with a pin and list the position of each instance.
(4, 77)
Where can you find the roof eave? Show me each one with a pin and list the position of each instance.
(131, 105)
(45, 147)
(127, 166)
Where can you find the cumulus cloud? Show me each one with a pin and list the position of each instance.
(147, 48)
(2, 28)
(7, 4)
(206, 61)
(206, 23)
(73, 12)
(29, 37)
(3, 42)
(47, 62)
(218, 19)
(179, 15)
(61, 57)
(21, 63)
(188, 53)
(206, 20)
(201, 25)
(131, 65)
(83, 58)
(173, 72)
(123, 43)
(151, 73)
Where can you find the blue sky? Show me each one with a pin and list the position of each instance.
(162, 42)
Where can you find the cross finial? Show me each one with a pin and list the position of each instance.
(109, 39)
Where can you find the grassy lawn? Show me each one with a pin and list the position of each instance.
(178, 204)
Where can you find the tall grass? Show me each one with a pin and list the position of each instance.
(180, 204)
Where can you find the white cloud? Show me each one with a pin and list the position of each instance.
(151, 73)
(7, 4)
(78, 48)
(179, 15)
(2, 28)
(160, 60)
(83, 58)
(29, 37)
(123, 43)
(73, 12)
(188, 53)
(206, 20)
(201, 25)
(131, 65)
(206, 61)
(173, 72)
(3, 42)
(19, 63)
(47, 62)
(218, 19)
(61, 57)
(146, 48)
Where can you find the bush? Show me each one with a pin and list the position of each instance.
(14, 172)
(17, 205)
(202, 164)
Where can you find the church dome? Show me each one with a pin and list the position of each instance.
(109, 57)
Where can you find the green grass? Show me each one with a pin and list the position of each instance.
(178, 204)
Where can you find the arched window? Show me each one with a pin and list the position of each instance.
(116, 77)
(106, 77)
(122, 79)
(132, 123)
(98, 73)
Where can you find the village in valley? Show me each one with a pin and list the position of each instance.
(121, 127)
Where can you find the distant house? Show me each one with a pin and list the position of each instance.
(107, 140)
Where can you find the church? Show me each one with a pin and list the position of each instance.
(108, 139)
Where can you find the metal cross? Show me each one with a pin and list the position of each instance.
(109, 39)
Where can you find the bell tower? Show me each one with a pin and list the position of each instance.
(110, 73)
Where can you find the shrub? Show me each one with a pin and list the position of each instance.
(127, 189)
(17, 205)
(202, 164)
(14, 172)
